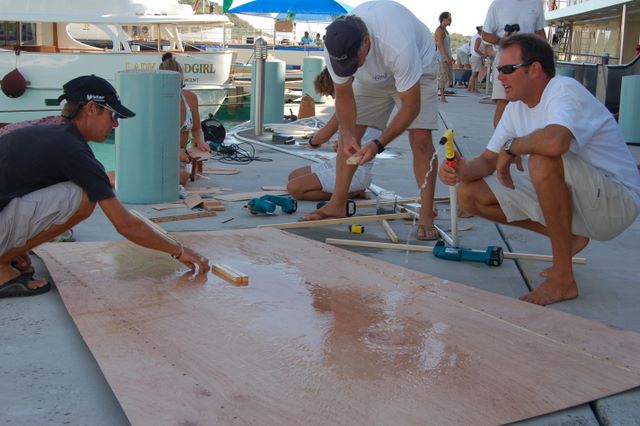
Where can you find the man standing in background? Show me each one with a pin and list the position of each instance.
(505, 18)
(443, 44)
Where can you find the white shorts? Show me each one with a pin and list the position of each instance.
(27, 216)
(463, 58)
(498, 89)
(326, 173)
(375, 103)
(602, 209)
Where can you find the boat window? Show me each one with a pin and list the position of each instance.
(9, 34)
(28, 34)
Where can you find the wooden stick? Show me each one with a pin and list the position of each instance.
(182, 217)
(337, 221)
(390, 232)
(150, 223)
(429, 249)
(230, 274)
(400, 200)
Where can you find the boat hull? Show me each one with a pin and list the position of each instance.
(206, 73)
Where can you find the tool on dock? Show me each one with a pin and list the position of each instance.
(350, 207)
(356, 228)
(268, 203)
(493, 255)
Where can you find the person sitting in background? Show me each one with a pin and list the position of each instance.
(306, 39)
(63, 184)
(464, 53)
(318, 41)
(189, 118)
(316, 182)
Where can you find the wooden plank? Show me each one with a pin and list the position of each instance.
(338, 221)
(188, 216)
(389, 230)
(166, 206)
(219, 171)
(193, 200)
(213, 205)
(230, 274)
(206, 190)
(378, 343)
(429, 249)
(401, 200)
(243, 196)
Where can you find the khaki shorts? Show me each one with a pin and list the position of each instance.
(498, 89)
(602, 209)
(326, 173)
(476, 64)
(444, 76)
(27, 216)
(375, 104)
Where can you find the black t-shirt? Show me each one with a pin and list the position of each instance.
(36, 157)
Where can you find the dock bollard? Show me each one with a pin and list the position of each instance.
(630, 108)
(273, 104)
(147, 145)
(311, 67)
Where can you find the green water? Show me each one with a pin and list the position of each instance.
(105, 152)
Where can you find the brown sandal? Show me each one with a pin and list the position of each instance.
(427, 233)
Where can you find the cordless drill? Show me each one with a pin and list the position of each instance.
(267, 204)
(493, 255)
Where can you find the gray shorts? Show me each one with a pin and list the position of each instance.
(375, 103)
(602, 209)
(27, 216)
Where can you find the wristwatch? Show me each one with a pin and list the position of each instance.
(507, 146)
(379, 145)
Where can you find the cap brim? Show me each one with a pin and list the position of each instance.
(345, 68)
(123, 111)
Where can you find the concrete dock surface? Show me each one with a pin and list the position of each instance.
(48, 375)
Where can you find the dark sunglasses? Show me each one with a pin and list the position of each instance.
(114, 115)
(509, 69)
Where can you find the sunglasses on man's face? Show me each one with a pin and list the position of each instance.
(509, 69)
(114, 115)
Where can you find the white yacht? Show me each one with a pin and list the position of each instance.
(40, 39)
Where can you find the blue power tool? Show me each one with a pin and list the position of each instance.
(268, 203)
(492, 256)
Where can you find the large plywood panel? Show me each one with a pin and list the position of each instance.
(324, 336)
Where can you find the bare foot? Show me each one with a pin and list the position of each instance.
(326, 212)
(551, 292)
(577, 245)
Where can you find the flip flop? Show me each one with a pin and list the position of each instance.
(427, 233)
(19, 287)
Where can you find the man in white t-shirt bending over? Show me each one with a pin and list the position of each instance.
(504, 18)
(392, 57)
(575, 177)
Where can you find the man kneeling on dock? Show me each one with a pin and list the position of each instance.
(50, 181)
(576, 178)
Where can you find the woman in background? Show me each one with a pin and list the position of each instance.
(189, 117)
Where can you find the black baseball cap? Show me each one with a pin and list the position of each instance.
(343, 40)
(93, 88)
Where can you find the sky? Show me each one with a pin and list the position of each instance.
(466, 14)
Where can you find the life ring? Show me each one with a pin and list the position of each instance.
(13, 84)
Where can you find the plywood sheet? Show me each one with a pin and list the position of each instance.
(324, 336)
